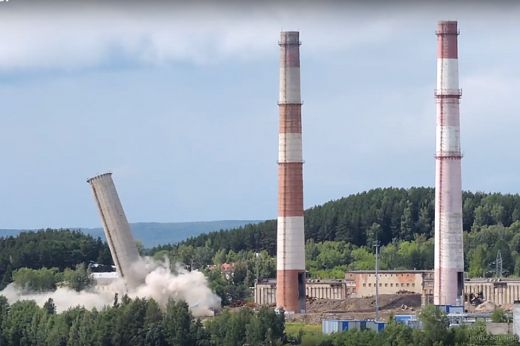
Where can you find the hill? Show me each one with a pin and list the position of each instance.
(390, 214)
(155, 233)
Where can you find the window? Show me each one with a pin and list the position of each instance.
(364, 284)
(413, 284)
(369, 285)
(407, 284)
(391, 285)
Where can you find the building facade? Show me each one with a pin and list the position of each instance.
(392, 282)
(362, 283)
(503, 291)
(264, 291)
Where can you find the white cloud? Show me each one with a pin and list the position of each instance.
(85, 37)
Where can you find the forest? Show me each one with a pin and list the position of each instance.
(340, 236)
(134, 322)
(388, 214)
(59, 249)
(142, 322)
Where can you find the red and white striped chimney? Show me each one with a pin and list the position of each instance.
(449, 256)
(290, 267)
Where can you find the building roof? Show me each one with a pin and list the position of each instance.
(105, 275)
(393, 271)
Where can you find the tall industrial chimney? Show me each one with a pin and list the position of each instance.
(449, 257)
(290, 266)
(117, 230)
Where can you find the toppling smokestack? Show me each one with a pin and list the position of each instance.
(117, 230)
(290, 267)
(449, 257)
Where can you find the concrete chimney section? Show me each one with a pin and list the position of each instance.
(117, 230)
(449, 257)
(290, 274)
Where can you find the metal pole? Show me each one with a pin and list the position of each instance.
(376, 245)
(257, 255)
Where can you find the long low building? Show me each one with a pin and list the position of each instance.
(499, 291)
(264, 291)
(362, 283)
(392, 282)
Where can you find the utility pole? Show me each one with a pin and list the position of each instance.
(376, 245)
(498, 269)
(256, 264)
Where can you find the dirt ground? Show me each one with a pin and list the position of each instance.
(358, 308)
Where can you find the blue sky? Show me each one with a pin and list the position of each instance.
(180, 104)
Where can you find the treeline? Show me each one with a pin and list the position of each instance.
(134, 322)
(48, 279)
(483, 245)
(331, 259)
(50, 249)
(390, 214)
(142, 322)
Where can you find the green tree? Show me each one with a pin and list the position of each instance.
(48, 249)
(362, 259)
(499, 316)
(177, 324)
(87, 331)
(39, 280)
(373, 233)
(407, 223)
(19, 321)
(77, 279)
(57, 331)
(397, 334)
(477, 335)
(357, 338)
(435, 326)
(478, 261)
(236, 328)
(49, 306)
(4, 309)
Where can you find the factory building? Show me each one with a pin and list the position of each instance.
(392, 282)
(362, 283)
(264, 292)
(503, 291)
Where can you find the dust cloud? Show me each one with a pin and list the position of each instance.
(160, 283)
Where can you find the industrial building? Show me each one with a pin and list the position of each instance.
(290, 252)
(362, 283)
(264, 292)
(449, 252)
(392, 282)
(503, 291)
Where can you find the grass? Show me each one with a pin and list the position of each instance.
(308, 329)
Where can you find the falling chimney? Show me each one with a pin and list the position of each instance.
(117, 230)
